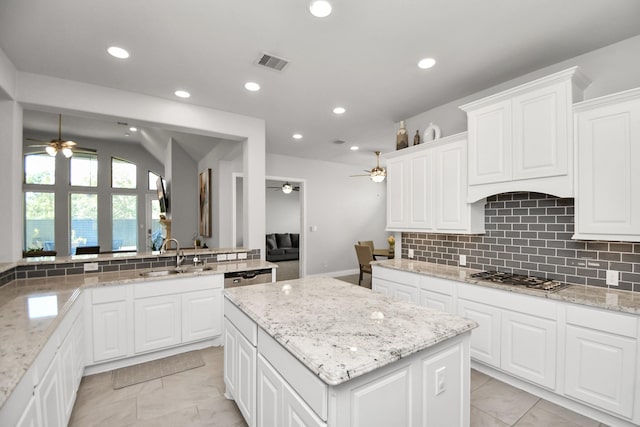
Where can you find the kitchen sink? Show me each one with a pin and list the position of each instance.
(158, 273)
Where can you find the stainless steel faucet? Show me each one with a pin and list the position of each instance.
(179, 258)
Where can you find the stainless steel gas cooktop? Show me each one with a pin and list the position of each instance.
(531, 282)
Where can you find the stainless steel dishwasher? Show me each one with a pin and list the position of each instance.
(244, 278)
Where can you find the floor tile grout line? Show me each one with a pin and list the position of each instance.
(528, 410)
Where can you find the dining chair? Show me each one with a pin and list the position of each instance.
(365, 256)
(370, 244)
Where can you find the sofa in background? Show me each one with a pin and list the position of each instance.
(283, 246)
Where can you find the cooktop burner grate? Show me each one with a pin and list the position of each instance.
(531, 282)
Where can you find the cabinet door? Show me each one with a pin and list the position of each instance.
(490, 143)
(49, 396)
(541, 135)
(67, 375)
(406, 293)
(201, 315)
(452, 210)
(436, 301)
(421, 191)
(608, 179)
(30, 417)
(109, 330)
(529, 348)
(485, 339)
(245, 395)
(157, 322)
(600, 369)
(269, 395)
(230, 359)
(296, 413)
(397, 216)
(382, 286)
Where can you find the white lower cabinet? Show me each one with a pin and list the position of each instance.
(528, 347)
(600, 362)
(485, 339)
(246, 378)
(109, 331)
(49, 393)
(30, 417)
(201, 315)
(436, 301)
(158, 322)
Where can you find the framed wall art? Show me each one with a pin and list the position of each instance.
(205, 203)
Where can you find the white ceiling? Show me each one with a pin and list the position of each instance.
(363, 56)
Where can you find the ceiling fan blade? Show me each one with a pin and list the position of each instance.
(83, 150)
(69, 144)
(37, 145)
(36, 140)
(351, 176)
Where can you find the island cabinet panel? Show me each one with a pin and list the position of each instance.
(30, 417)
(50, 396)
(601, 355)
(240, 371)
(157, 322)
(608, 177)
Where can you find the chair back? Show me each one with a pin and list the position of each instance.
(365, 256)
(367, 243)
(87, 250)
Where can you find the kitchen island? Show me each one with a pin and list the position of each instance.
(319, 351)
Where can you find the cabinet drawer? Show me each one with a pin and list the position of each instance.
(241, 321)
(396, 275)
(177, 286)
(108, 294)
(525, 304)
(312, 390)
(605, 321)
(436, 284)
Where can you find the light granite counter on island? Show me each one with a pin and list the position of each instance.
(347, 336)
(593, 296)
(25, 328)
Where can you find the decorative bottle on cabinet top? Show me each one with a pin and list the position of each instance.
(402, 139)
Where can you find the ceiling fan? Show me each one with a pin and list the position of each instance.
(377, 174)
(67, 147)
(286, 188)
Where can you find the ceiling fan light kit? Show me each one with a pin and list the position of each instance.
(287, 188)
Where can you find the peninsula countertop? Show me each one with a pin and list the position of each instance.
(340, 331)
(23, 336)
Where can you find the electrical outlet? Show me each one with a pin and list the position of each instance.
(242, 255)
(612, 277)
(463, 260)
(90, 266)
(231, 257)
(440, 380)
(222, 257)
(411, 253)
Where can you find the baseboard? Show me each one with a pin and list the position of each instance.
(147, 357)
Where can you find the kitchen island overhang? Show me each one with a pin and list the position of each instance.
(352, 356)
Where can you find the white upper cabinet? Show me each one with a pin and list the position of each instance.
(521, 139)
(608, 176)
(427, 189)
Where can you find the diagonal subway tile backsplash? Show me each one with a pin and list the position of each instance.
(530, 233)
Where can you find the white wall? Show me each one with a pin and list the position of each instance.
(182, 188)
(343, 209)
(282, 210)
(611, 69)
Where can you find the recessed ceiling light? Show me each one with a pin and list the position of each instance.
(182, 94)
(118, 52)
(133, 129)
(354, 148)
(252, 86)
(320, 8)
(127, 134)
(426, 63)
(339, 110)
(297, 136)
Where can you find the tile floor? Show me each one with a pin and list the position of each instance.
(195, 398)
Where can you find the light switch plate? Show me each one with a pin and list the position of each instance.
(90, 266)
(231, 257)
(242, 255)
(410, 253)
(463, 260)
(612, 277)
(222, 257)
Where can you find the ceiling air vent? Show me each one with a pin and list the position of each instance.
(272, 62)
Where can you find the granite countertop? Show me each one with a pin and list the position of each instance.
(327, 324)
(23, 334)
(605, 298)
